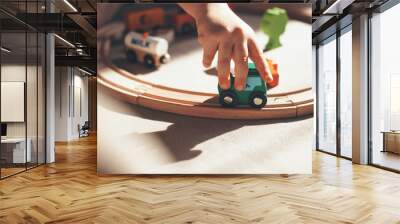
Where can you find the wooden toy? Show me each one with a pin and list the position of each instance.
(273, 23)
(184, 23)
(165, 33)
(131, 88)
(273, 68)
(149, 20)
(145, 19)
(152, 51)
(254, 94)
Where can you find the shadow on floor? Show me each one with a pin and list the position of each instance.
(182, 136)
(135, 68)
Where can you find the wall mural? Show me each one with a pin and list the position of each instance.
(167, 106)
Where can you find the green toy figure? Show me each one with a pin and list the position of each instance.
(273, 23)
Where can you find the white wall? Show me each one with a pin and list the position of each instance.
(62, 82)
(13, 101)
(33, 127)
(80, 110)
(16, 73)
(71, 94)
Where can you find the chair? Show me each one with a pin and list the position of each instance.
(84, 130)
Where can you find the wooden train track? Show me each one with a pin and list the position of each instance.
(129, 87)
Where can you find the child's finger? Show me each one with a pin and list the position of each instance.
(209, 52)
(223, 67)
(240, 57)
(259, 61)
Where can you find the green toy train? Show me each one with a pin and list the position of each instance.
(255, 92)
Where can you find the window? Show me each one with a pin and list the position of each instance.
(327, 96)
(394, 102)
(385, 89)
(346, 93)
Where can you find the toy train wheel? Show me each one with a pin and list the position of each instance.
(258, 100)
(164, 59)
(149, 61)
(131, 56)
(228, 99)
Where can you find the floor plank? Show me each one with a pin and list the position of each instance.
(70, 191)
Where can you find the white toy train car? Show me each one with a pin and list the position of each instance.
(152, 51)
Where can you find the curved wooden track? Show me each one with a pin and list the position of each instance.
(130, 88)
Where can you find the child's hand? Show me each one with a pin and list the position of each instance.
(219, 29)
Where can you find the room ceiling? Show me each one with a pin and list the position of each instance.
(328, 13)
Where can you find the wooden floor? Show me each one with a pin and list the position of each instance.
(70, 191)
(5, 172)
(8, 171)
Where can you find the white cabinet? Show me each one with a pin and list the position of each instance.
(16, 147)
